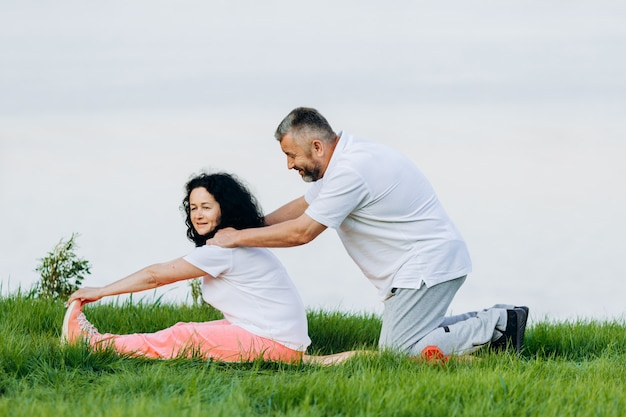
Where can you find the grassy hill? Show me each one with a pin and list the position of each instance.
(574, 368)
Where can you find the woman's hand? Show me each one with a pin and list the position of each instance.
(86, 295)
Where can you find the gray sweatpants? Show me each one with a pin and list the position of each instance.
(415, 318)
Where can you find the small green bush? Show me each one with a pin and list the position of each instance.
(195, 285)
(62, 271)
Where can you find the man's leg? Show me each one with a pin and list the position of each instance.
(411, 314)
(465, 336)
(448, 320)
(413, 318)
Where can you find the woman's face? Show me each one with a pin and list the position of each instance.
(204, 211)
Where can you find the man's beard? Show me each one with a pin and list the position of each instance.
(308, 178)
(311, 174)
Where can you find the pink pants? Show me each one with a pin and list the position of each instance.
(219, 340)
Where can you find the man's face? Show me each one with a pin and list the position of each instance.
(301, 159)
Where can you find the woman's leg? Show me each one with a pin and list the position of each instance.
(219, 340)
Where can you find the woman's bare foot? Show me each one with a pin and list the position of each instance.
(334, 359)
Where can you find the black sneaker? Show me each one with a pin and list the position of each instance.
(513, 336)
(525, 310)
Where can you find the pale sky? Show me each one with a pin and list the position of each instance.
(70, 56)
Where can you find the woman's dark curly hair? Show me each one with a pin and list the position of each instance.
(239, 208)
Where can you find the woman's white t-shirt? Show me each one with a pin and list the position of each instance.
(252, 289)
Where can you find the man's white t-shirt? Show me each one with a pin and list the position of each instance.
(252, 289)
(387, 216)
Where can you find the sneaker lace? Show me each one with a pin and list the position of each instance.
(86, 326)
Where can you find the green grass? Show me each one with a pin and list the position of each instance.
(574, 368)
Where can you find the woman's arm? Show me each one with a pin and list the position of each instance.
(147, 278)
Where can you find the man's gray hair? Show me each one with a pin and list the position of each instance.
(305, 123)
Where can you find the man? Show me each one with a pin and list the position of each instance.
(394, 228)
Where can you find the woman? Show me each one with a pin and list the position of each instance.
(264, 316)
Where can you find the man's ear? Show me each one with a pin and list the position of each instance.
(317, 147)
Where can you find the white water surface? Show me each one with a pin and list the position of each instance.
(515, 113)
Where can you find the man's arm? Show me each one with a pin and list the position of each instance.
(289, 233)
(289, 211)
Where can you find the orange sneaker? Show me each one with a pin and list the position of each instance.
(433, 354)
(76, 327)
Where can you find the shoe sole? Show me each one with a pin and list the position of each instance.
(66, 322)
(526, 310)
(520, 328)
